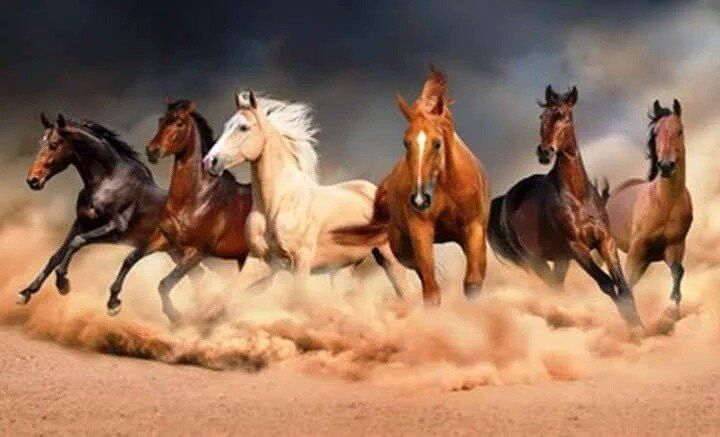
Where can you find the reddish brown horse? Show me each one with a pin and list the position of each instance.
(559, 216)
(438, 193)
(204, 215)
(651, 218)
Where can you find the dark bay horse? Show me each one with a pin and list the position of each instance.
(204, 215)
(650, 219)
(559, 216)
(119, 203)
(438, 193)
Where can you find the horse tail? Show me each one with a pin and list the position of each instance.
(603, 190)
(374, 233)
(500, 236)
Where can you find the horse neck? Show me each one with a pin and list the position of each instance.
(569, 169)
(187, 172)
(454, 158)
(271, 172)
(95, 162)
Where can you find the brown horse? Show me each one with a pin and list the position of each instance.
(559, 216)
(438, 193)
(204, 215)
(650, 218)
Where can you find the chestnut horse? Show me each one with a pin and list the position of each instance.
(650, 219)
(119, 203)
(559, 216)
(438, 193)
(204, 215)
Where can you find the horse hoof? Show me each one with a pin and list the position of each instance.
(63, 284)
(114, 307)
(24, 297)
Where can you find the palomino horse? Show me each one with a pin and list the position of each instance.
(204, 215)
(559, 216)
(438, 193)
(119, 203)
(293, 215)
(650, 219)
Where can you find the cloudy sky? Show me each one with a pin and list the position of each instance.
(116, 62)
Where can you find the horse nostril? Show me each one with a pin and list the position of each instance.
(34, 183)
(666, 167)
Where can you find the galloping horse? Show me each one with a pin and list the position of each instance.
(438, 193)
(559, 216)
(293, 215)
(650, 219)
(119, 203)
(204, 215)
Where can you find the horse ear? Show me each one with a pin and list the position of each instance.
(45, 122)
(657, 108)
(61, 121)
(192, 107)
(406, 111)
(238, 104)
(550, 95)
(251, 99)
(168, 100)
(677, 109)
(572, 97)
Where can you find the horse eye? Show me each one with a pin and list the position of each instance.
(244, 127)
(437, 144)
(680, 132)
(406, 143)
(53, 146)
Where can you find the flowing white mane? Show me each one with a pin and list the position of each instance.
(295, 122)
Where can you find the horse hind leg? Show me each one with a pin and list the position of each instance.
(189, 260)
(396, 273)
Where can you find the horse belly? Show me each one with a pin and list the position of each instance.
(535, 233)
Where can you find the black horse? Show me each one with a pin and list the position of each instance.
(120, 202)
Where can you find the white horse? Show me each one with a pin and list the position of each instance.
(292, 215)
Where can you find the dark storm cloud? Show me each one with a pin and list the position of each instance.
(116, 61)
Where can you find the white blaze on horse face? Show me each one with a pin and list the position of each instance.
(421, 139)
(227, 148)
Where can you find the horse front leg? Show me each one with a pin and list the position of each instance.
(25, 295)
(624, 301)
(422, 238)
(117, 225)
(253, 271)
(476, 258)
(158, 242)
(673, 259)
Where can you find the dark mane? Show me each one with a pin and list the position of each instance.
(206, 132)
(112, 138)
(651, 150)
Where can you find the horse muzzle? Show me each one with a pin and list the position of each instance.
(212, 165)
(153, 154)
(421, 199)
(35, 183)
(667, 168)
(544, 154)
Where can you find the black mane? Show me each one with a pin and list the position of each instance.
(206, 132)
(651, 150)
(112, 138)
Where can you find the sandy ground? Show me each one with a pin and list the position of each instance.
(48, 389)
